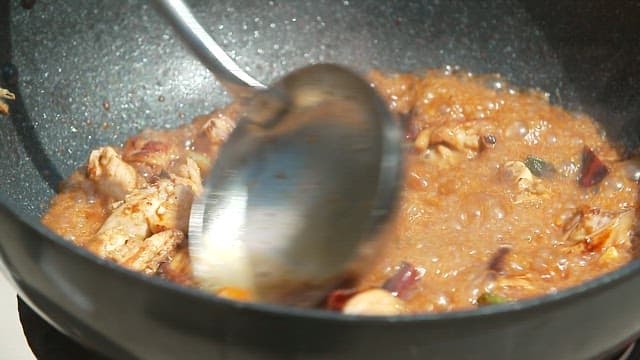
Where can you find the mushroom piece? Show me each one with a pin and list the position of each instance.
(377, 302)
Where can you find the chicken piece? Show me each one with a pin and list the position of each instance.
(156, 208)
(519, 173)
(150, 154)
(449, 145)
(423, 139)
(442, 156)
(376, 302)
(528, 188)
(169, 207)
(218, 127)
(209, 132)
(188, 174)
(156, 250)
(124, 230)
(113, 177)
(592, 229)
(178, 268)
(461, 137)
(5, 94)
(75, 215)
(203, 161)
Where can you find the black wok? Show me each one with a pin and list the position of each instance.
(95, 72)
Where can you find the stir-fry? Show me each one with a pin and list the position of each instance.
(506, 197)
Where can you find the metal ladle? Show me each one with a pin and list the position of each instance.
(301, 186)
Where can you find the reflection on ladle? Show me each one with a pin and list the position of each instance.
(297, 192)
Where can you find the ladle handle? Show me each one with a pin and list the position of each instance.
(206, 49)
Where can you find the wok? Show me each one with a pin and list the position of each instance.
(94, 72)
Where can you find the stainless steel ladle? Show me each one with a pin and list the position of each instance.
(301, 186)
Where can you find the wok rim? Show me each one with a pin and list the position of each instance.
(599, 283)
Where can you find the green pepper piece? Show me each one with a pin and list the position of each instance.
(491, 299)
(539, 167)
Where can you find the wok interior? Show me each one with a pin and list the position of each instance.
(92, 73)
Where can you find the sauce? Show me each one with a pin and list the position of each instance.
(495, 205)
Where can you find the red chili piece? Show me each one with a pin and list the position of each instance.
(496, 264)
(402, 280)
(593, 169)
(410, 126)
(337, 298)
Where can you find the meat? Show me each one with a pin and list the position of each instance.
(112, 176)
(156, 250)
(178, 268)
(137, 200)
(593, 229)
(518, 173)
(76, 215)
(449, 144)
(443, 156)
(188, 174)
(123, 232)
(462, 137)
(126, 236)
(149, 154)
(527, 189)
(5, 94)
(218, 127)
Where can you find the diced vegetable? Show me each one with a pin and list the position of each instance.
(398, 285)
(491, 299)
(539, 167)
(374, 302)
(402, 281)
(593, 169)
(234, 293)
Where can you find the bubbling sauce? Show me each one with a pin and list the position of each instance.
(505, 197)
